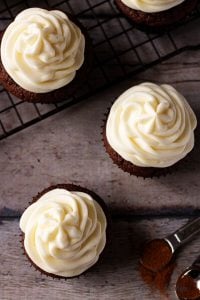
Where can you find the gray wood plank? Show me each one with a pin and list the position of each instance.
(117, 276)
(67, 147)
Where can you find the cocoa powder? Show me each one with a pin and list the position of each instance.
(186, 288)
(158, 280)
(156, 265)
(156, 254)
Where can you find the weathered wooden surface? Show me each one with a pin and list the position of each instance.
(116, 277)
(67, 147)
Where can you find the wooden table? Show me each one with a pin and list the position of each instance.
(67, 147)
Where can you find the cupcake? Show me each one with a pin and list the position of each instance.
(45, 56)
(149, 129)
(156, 14)
(64, 230)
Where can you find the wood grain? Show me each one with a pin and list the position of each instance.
(116, 277)
(67, 147)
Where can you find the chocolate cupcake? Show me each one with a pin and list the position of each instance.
(45, 56)
(149, 129)
(156, 15)
(64, 230)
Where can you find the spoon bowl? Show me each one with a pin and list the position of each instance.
(188, 284)
(156, 255)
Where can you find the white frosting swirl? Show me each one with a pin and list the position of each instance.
(151, 126)
(65, 232)
(41, 50)
(151, 6)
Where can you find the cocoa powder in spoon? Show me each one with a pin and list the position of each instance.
(156, 265)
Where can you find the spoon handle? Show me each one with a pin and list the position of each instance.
(184, 234)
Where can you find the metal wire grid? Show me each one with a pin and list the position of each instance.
(120, 51)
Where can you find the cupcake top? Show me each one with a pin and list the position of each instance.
(64, 232)
(41, 50)
(151, 126)
(151, 6)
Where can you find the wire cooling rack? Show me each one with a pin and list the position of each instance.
(120, 51)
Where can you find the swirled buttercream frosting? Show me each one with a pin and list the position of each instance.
(152, 6)
(64, 232)
(41, 50)
(151, 126)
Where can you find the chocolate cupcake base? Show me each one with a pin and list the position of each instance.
(77, 188)
(158, 21)
(60, 94)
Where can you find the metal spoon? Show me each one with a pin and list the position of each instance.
(158, 253)
(188, 284)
